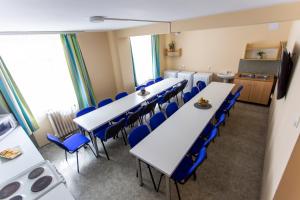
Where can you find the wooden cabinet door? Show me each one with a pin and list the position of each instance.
(245, 93)
(260, 92)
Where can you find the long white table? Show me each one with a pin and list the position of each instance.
(167, 145)
(101, 116)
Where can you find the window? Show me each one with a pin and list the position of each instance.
(38, 65)
(142, 57)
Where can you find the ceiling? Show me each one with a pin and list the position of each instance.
(70, 15)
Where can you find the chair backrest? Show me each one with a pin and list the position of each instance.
(221, 120)
(121, 95)
(158, 79)
(133, 117)
(213, 134)
(183, 85)
(139, 87)
(85, 110)
(157, 120)
(150, 83)
(149, 107)
(237, 95)
(171, 109)
(201, 85)
(186, 97)
(114, 129)
(199, 160)
(230, 105)
(239, 89)
(137, 134)
(56, 141)
(104, 102)
(194, 91)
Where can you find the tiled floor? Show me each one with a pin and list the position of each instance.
(232, 171)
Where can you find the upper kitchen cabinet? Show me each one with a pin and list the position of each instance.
(264, 52)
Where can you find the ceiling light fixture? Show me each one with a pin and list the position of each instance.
(97, 19)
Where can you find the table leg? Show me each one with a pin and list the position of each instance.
(138, 167)
(168, 188)
(95, 145)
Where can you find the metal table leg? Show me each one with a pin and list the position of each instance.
(168, 188)
(138, 166)
(95, 145)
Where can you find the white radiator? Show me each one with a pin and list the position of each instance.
(62, 121)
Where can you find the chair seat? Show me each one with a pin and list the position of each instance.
(100, 132)
(74, 142)
(182, 171)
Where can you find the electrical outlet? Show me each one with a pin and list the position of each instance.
(297, 122)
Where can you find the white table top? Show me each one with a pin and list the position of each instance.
(100, 116)
(165, 147)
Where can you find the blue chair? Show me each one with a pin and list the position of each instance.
(148, 109)
(121, 95)
(139, 87)
(186, 169)
(134, 117)
(202, 142)
(85, 110)
(164, 99)
(186, 97)
(104, 102)
(71, 144)
(158, 79)
(236, 94)
(138, 134)
(150, 83)
(201, 85)
(194, 91)
(171, 109)
(111, 132)
(157, 120)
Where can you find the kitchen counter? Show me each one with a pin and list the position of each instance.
(249, 76)
(30, 157)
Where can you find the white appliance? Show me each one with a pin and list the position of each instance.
(202, 76)
(7, 124)
(33, 183)
(189, 76)
(170, 73)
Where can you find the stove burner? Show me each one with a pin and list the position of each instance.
(18, 197)
(9, 189)
(41, 183)
(36, 173)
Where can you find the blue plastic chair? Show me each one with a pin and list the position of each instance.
(201, 85)
(158, 79)
(157, 120)
(150, 83)
(236, 94)
(186, 97)
(186, 169)
(171, 109)
(104, 102)
(85, 110)
(121, 95)
(139, 87)
(71, 144)
(164, 99)
(136, 135)
(111, 132)
(194, 91)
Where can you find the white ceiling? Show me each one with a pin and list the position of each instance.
(68, 15)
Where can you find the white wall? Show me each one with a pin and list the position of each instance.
(282, 134)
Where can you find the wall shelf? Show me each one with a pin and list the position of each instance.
(176, 53)
(271, 52)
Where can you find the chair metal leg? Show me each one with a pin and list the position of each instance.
(152, 179)
(105, 150)
(77, 161)
(177, 189)
(122, 131)
(92, 150)
(66, 156)
(140, 176)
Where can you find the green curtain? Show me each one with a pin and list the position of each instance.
(155, 56)
(15, 100)
(133, 66)
(79, 75)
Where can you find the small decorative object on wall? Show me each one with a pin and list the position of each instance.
(261, 54)
(172, 46)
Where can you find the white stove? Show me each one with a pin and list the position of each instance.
(33, 183)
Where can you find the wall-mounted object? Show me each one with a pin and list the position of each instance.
(173, 53)
(263, 52)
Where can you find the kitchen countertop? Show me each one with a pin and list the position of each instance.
(269, 79)
(30, 157)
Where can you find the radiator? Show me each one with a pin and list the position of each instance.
(62, 121)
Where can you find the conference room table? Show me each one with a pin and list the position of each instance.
(105, 114)
(165, 147)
